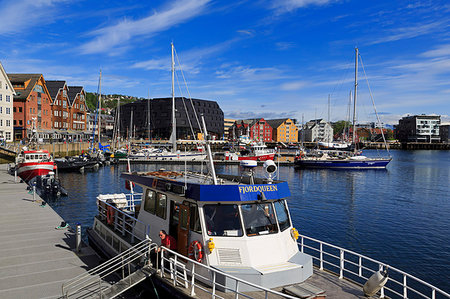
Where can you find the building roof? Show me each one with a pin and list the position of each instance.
(18, 82)
(2, 70)
(54, 86)
(73, 91)
(275, 123)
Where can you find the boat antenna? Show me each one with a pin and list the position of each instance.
(208, 151)
(354, 100)
(99, 107)
(173, 136)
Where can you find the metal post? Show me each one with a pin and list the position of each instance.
(15, 175)
(321, 256)
(34, 191)
(341, 268)
(78, 237)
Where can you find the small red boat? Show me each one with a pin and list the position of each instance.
(31, 163)
(254, 151)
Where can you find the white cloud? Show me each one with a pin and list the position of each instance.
(442, 50)
(295, 85)
(285, 6)
(116, 36)
(20, 15)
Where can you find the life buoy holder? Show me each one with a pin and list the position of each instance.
(110, 215)
(195, 251)
(154, 183)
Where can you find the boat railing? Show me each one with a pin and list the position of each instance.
(94, 283)
(123, 220)
(190, 274)
(350, 265)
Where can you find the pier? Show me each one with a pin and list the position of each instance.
(35, 257)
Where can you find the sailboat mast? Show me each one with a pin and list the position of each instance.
(118, 123)
(148, 118)
(173, 136)
(99, 106)
(354, 99)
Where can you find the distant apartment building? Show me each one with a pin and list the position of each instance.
(283, 130)
(444, 132)
(59, 93)
(418, 128)
(6, 107)
(317, 130)
(257, 129)
(227, 124)
(32, 105)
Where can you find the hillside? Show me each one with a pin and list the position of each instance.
(108, 101)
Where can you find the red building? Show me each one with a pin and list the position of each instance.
(77, 114)
(256, 129)
(60, 104)
(32, 104)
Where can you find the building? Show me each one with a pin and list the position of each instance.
(317, 130)
(444, 132)
(153, 118)
(227, 124)
(6, 107)
(256, 129)
(32, 105)
(283, 130)
(59, 93)
(418, 128)
(78, 108)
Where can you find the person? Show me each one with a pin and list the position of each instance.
(166, 241)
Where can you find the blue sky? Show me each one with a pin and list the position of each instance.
(257, 58)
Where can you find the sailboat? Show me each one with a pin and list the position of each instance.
(344, 161)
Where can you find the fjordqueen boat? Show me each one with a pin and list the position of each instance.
(32, 163)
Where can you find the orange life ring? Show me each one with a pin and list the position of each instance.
(110, 215)
(195, 251)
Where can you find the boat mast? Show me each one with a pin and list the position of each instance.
(173, 136)
(118, 123)
(148, 118)
(354, 100)
(208, 151)
(99, 106)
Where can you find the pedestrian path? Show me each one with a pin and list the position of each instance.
(35, 257)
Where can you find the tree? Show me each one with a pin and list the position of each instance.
(338, 127)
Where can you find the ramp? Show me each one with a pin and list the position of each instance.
(128, 282)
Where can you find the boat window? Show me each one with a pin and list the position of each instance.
(150, 201)
(161, 206)
(222, 220)
(194, 219)
(282, 214)
(259, 219)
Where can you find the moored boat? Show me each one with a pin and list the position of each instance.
(32, 163)
(256, 151)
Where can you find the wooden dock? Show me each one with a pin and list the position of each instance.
(35, 257)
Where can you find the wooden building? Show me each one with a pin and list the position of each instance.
(283, 130)
(78, 108)
(60, 104)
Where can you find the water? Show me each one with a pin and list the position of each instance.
(399, 216)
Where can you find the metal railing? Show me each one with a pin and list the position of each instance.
(93, 282)
(123, 220)
(191, 279)
(358, 268)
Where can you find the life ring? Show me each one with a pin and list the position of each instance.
(195, 251)
(110, 215)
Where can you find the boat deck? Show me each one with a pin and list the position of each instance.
(326, 281)
(35, 258)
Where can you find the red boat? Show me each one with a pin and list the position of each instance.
(31, 163)
(254, 151)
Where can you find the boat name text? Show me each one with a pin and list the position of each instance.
(247, 189)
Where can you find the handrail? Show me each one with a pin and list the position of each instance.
(362, 266)
(193, 275)
(124, 262)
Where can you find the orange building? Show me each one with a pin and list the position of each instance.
(32, 104)
(77, 114)
(284, 130)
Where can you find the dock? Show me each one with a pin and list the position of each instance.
(35, 257)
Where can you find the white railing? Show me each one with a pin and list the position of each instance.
(356, 267)
(124, 221)
(92, 283)
(185, 272)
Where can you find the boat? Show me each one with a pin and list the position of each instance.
(234, 237)
(334, 145)
(31, 163)
(257, 151)
(352, 160)
(75, 164)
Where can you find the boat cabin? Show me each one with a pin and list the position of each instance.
(240, 226)
(33, 156)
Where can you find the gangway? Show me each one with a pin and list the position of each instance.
(132, 266)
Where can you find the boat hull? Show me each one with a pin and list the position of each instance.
(344, 164)
(27, 171)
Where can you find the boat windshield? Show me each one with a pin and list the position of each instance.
(282, 214)
(259, 219)
(223, 220)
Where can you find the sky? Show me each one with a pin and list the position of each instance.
(259, 58)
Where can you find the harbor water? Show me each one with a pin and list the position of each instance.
(400, 216)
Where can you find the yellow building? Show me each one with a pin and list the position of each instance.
(283, 130)
(227, 123)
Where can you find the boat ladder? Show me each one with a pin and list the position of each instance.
(131, 266)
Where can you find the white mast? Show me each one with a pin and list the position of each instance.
(99, 106)
(118, 123)
(148, 118)
(173, 136)
(354, 100)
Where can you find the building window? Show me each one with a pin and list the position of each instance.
(8, 98)
(1, 97)
(20, 122)
(20, 109)
(14, 109)
(8, 110)
(14, 122)
(8, 123)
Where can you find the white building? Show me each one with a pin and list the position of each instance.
(318, 130)
(6, 107)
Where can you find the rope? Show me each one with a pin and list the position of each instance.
(373, 104)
